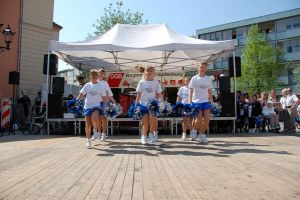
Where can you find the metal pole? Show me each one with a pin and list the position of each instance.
(47, 90)
(235, 97)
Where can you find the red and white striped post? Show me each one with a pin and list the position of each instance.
(6, 112)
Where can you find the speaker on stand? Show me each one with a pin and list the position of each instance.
(14, 79)
(238, 66)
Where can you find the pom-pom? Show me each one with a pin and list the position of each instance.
(167, 110)
(191, 110)
(216, 109)
(178, 109)
(111, 110)
(137, 111)
(75, 106)
(154, 107)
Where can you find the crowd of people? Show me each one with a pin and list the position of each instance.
(262, 110)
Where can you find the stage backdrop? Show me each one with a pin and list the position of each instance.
(130, 80)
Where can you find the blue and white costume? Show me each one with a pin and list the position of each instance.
(93, 99)
(149, 89)
(200, 86)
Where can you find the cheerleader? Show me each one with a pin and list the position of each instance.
(102, 132)
(148, 90)
(201, 96)
(183, 97)
(95, 93)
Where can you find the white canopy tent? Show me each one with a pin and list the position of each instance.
(125, 46)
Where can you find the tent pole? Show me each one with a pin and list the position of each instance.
(47, 91)
(235, 96)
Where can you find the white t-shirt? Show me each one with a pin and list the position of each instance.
(291, 100)
(149, 89)
(268, 111)
(184, 94)
(283, 102)
(200, 85)
(94, 94)
(107, 88)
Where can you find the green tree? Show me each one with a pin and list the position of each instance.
(296, 74)
(115, 14)
(260, 66)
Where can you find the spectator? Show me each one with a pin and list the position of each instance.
(37, 103)
(269, 113)
(242, 113)
(292, 102)
(263, 99)
(254, 110)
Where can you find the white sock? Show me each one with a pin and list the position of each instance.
(95, 131)
(87, 139)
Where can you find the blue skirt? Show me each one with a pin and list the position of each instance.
(89, 111)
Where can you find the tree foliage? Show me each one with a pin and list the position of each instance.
(260, 66)
(296, 73)
(115, 14)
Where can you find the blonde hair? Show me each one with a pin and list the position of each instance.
(144, 69)
(94, 72)
(188, 77)
(204, 63)
(101, 70)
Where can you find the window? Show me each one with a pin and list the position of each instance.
(296, 26)
(218, 36)
(289, 49)
(289, 27)
(297, 48)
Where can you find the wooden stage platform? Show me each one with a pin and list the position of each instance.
(231, 167)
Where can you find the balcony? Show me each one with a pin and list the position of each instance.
(235, 42)
(271, 36)
(292, 56)
(288, 34)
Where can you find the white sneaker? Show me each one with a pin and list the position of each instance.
(193, 135)
(143, 139)
(154, 138)
(88, 143)
(183, 136)
(150, 137)
(95, 136)
(204, 139)
(103, 137)
(199, 138)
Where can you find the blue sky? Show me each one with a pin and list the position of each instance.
(184, 16)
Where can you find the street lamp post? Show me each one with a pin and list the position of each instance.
(8, 37)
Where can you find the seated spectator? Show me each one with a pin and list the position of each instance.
(269, 113)
(254, 111)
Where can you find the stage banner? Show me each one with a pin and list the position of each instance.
(130, 80)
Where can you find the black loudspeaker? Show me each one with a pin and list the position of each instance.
(227, 103)
(58, 85)
(224, 84)
(53, 67)
(238, 71)
(55, 106)
(14, 78)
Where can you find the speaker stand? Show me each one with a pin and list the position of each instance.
(13, 125)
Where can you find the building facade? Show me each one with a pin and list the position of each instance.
(282, 29)
(32, 20)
